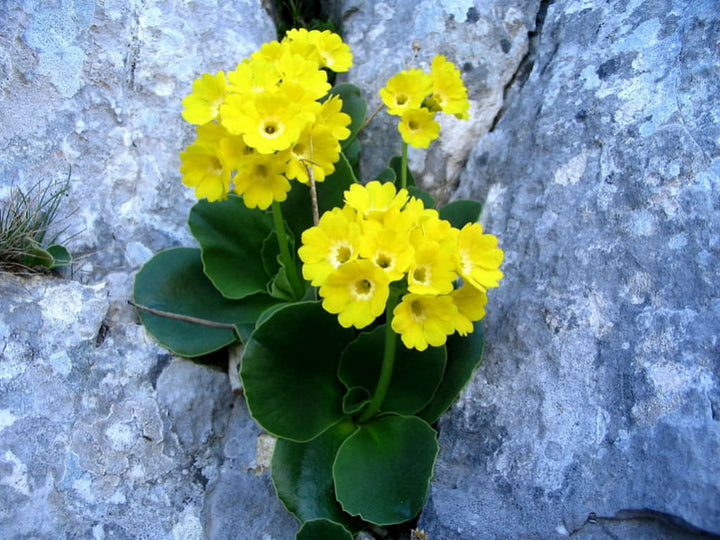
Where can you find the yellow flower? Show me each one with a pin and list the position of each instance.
(269, 52)
(262, 181)
(448, 91)
(332, 117)
(357, 291)
(478, 258)
(470, 303)
(424, 320)
(375, 199)
(418, 128)
(333, 242)
(268, 123)
(300, 41)
(432, 271)
(406, 90)
(319, 149)
(234, 153)
(202, 165)
(253, 77)
(333, 53)
(208, 94)
(388, 250)
(294, 69)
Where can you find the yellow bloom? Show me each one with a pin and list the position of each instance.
(295, 69)
(333, 242)
(357, 291)
(432, 271)
(320, 150)
(268, 123)
(406, 90)
(470, 303)
(269, 52)
(418, 128)
(448, 91)
(375, 199)
(300, 41)
(333, 53)
(208, 94)
(262, 181)
(202, 165)
(253, 77)
(424, 320)
(478, 258)
(332, 117)
(234, 153)
(388, 250)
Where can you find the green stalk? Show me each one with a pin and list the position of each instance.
(285, 255)
(387, 365)
(403, 170)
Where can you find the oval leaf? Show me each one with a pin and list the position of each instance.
(173, 281)
(289, 371)
(464, 355)
(323, 529)
(424, 196)
(61, 256)
(461, 212)
(416, 375)
(382, 471)
(302, 475)
(231, 237)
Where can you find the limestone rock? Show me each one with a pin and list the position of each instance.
(596, 410)
(487, 42)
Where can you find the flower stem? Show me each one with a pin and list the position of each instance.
(285, 255)
(387, 365)
(403, 165)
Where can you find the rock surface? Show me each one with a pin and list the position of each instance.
(486, 40)
(597, 410)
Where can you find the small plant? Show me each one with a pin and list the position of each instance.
(26, 218)
(358, 305)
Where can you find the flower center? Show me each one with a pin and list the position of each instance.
(417, 310)
(383, 261)
(214, 165)
(261, 170)
(271, 129)
(363, 289)
(401, 99)
(343, 254)
(413, 125)
(420, 274)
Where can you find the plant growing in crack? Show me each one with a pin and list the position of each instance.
(357, 305)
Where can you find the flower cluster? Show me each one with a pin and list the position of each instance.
(383, 236)
(266, 123)
(415, 96)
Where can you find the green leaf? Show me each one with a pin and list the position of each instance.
(424, 196)
(416, 375)
(355, 399)
(396, 165)
(352, 153)
(323, 529)
(382, 471)
(61, 256)
(302, 474)
(231, 237)
(173, 281)
(354, 105)
(386, 175)
(36, 255)
(461, 212)
(464, 355)
(289, 371)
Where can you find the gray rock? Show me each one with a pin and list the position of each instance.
(597, 407)
(485, 39)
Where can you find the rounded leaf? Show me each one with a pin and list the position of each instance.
(382, 471)
(416, 375)
(461, 212)
(302, 475)
(289, 371)
(231, 237)
(323, 529)
(173, 281)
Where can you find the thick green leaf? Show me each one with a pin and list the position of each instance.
(36, 255)
(231, 237)
(354, 105)
(416, 375)
(464, 355)
(323, 529)
(173, 281)
(382, 471)
(289, 371)
(396, 165)
(61, 256)
(461, 212)
(424, 196)
(302, 474)
(355, 399)
(352, 153)
(386, 175)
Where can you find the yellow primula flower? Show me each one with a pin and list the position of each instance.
(295, 69)
(332, 117)
(253, 77)
(262, 181)
(269, 52)
(357, 291)
(315, 148)
(432, 270)
(478, 258)
(418, 128)
(470, 303)
(388, 250)
(334, 241)
(208, 94)
(202, 165)
(333, 53)
(406, 90)
(300, 41)
(424, 320)
(375, 199)
(448, 90)
(234, 153)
